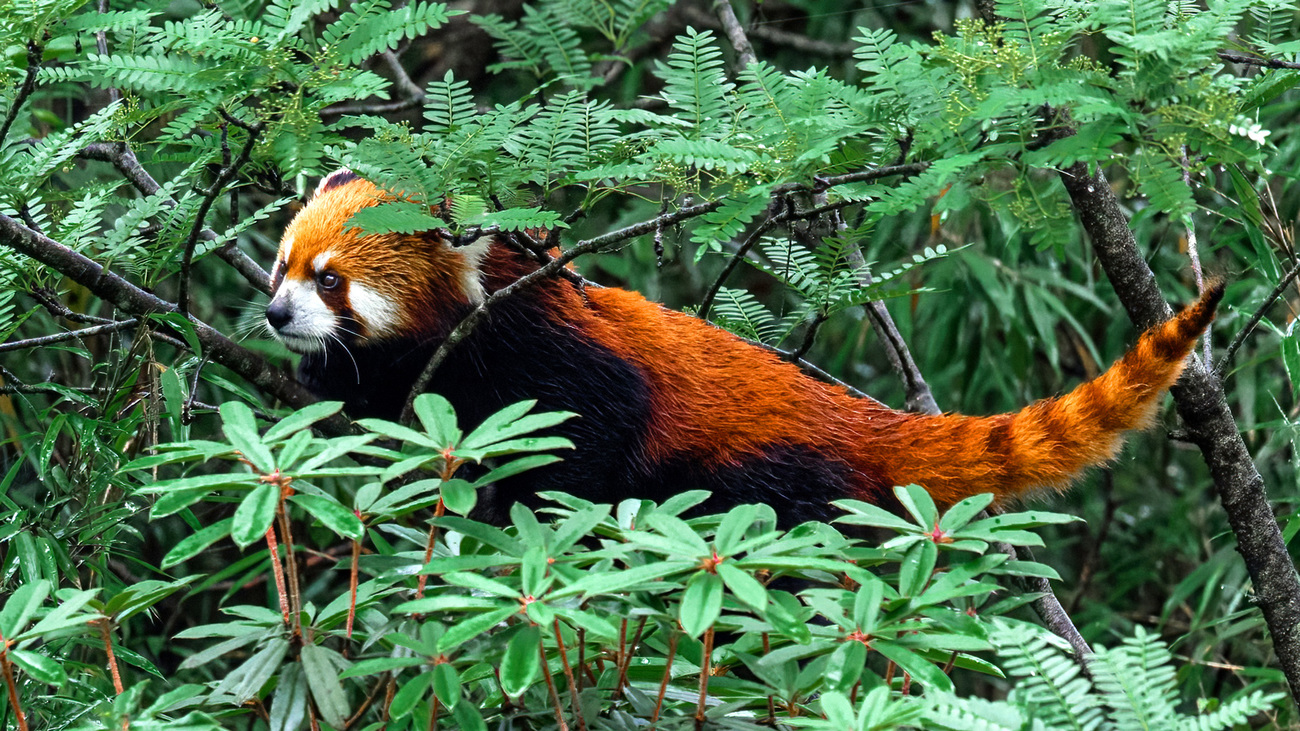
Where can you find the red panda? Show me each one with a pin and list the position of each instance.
(665, 402)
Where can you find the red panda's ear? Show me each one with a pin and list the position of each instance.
(335, 179)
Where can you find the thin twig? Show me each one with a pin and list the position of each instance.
(788, 213)
(34, 52)
(706, 304)
(706, 670)
(69, 335)
(273, 547)
(409, 89)
(809, 336)
(1270, 63)
(1255, 319)
(227, 173)
(290, 558)
(352, 585)
(550, 685)
(101, 45)
(378, 108)
(626, 659)
(49, 299)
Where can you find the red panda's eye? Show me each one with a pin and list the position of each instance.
(328, 280)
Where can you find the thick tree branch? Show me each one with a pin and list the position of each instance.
(1201, 403)
(130, 298)
(119, 154)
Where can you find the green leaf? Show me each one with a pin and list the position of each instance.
(21, 606)
(919, 504)
(459, 496)
(743, 586)
(195, 543)
(254, 515)
(446, 684)
(960, 514)
(437, 417)
(318, 666)
(241, 429)
(521, 665)
(409, 693)
(861, 513)
(921, 670)
(845, 665)
(301, 419)
(332, 514)
(733, 527)
(39, 667)
(406, 217)
(468, 629)
(687, 541)
(289, 704)
(701, 603)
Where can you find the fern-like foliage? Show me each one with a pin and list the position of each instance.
(696, 85)
(1133, 689)
(1048, 680)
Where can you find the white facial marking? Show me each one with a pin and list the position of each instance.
(378, 313)
(311, 322)
(318, 264)
(286, 248)
(472, 281)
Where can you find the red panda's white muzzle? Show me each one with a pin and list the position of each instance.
(300, 319)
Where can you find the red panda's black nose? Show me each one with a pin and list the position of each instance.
(278, 314)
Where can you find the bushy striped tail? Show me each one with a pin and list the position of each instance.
(1047, 444)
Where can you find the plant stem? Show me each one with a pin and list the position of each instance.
(352, 585)
(7, 668)
(278, 570)
(568, 674)
(668, 675)
(550, 685)
(706, 669)
(291, 564)
(438, 511)
(106, 634)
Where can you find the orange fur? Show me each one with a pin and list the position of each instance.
(718, 399)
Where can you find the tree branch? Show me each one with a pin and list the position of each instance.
(119, 154)
(736, 34)
(1203, 406)
(1269, 63)
(130, 298)
(69, 335)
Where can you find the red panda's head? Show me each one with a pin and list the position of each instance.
(331, 283)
